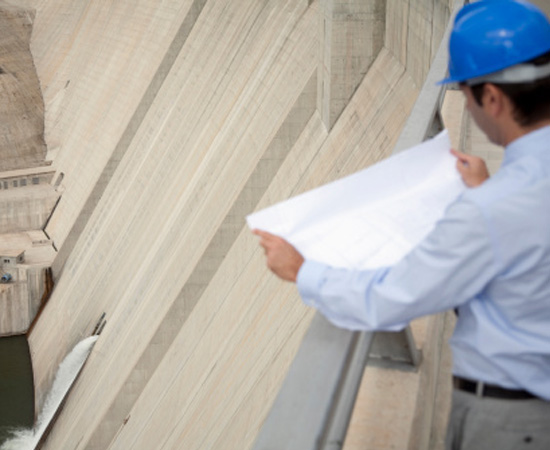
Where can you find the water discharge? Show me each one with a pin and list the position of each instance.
(28, 439)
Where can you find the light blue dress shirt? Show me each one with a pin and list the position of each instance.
(489, 257)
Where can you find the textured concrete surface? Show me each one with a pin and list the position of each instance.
(21, 110)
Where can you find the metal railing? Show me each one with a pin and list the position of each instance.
(314, 405)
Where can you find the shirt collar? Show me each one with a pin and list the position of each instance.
(535, 143)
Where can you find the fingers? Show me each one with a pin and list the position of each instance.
(463, 162)
(463, 158)
(472, 169)
(458, 153)
(281, 257)
(266, 236)
(266, 239)
(261, 233)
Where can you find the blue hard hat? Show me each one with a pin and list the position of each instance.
(491, 35)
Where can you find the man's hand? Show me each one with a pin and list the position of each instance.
(282, 258)
(472, 169)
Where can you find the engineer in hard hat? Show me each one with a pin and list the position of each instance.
(489, 257)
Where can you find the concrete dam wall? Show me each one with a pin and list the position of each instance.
(166, 122)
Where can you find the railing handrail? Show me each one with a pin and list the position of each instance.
(306, 404)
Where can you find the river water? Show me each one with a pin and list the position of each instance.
(28, 438)
(16, 386)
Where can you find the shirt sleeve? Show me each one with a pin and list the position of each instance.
(452, 265)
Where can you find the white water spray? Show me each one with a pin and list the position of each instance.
(67, 372)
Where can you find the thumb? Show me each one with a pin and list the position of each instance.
(462, 157)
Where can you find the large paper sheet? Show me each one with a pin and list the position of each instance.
(374, 217)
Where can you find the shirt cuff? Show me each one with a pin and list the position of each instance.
(308, 281)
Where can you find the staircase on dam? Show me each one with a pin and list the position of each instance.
(158, 126)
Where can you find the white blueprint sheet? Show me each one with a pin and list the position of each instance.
(371, 218)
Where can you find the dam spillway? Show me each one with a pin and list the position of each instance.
(166, 122)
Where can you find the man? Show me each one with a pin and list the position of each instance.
(489, 257)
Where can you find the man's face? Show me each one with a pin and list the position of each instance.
(480, 115)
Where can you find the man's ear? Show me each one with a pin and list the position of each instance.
(493, 100)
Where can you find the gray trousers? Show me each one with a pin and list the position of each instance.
(497, 424)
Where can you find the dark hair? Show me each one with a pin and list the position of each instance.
(531, 100)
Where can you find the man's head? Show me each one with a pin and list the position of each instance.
(504, 46)
(531, 100)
